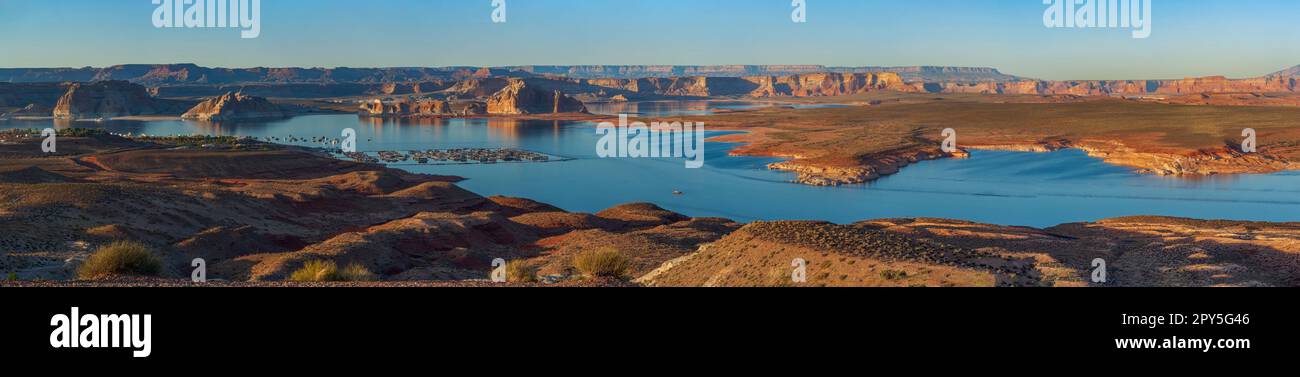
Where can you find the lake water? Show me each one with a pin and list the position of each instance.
(1011, 188)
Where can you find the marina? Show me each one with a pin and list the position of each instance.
(453, 156)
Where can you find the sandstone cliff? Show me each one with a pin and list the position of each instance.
(803, 85)
(107, 99)
(519, 98)
(825, 84)
(235, 106)
(427, 107)
(477, 87)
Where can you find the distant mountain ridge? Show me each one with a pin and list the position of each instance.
(186, 74)
(181, 74)
(911, 74)
(1289, 72)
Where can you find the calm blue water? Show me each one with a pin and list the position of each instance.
(1012, 188)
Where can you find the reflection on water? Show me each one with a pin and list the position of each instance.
(1014, 188)
(669, 108)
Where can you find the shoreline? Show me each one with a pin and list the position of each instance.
(811, 148)
(1201, 164)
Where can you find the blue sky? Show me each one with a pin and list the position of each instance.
(1237, 38)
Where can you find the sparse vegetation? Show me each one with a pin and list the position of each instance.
(519, 271)
(779, 277)
(602, 263)
(66, 132)
(893, 275)
(197, 140)
(328, 271)
(356, 272)
(121, 258)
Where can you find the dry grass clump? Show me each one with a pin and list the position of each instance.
(328, 271)
(519, 271)
(121, 258)
(602, 263)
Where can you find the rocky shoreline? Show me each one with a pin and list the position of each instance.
(1201, 163)
(824, 153)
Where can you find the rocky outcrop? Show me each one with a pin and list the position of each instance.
(804, 85)
(868, 168)
(825, 84)
(428, 107)
(107, 99)
(518, 98)
(235, 106)
(477, 87)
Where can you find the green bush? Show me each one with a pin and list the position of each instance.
(13, 276)
(519, 271)
(327, 271)
(121, 258)
(602, 263)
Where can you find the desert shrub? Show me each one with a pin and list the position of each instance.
(893, 274)
(121, 258)
(602, 263)
(326, 271)
(518, 271)
(316, 270)
(779, 277)
(356, 272)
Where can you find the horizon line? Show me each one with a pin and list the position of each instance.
(998, 70)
